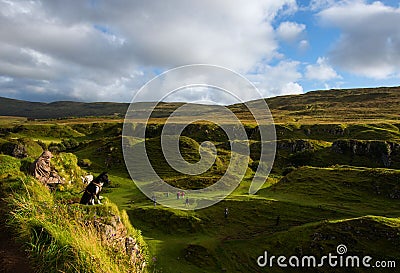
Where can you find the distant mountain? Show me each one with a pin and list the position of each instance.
(59, 109)
(335, 98)
(381, 104)
(363, 102)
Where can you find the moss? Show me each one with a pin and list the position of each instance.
(66, 164)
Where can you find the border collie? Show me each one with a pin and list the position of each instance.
(92, 190)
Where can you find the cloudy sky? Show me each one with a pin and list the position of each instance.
(98, 50)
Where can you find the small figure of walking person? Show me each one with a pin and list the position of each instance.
(155, 200)
(226, 212)
(178, 194)
(187, 202)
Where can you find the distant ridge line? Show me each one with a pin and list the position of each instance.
(361, 97)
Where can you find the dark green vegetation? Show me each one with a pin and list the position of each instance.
(60, 109)
(335, 180)
(58, 234)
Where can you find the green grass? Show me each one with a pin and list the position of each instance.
(318, 239)
(332, 106)
(303, 209)
(322, 198)
(47, 130)
(30, 147)
(9, 166)
(64, 237)
(360, 191)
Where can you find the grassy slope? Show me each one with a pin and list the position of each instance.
(336, 202)
(351, 105)
(57, 235)
(304, 204)
(11, 107)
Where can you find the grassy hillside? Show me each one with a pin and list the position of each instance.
(60, 235)
(60, 109)
(335, 180)
(350, 105)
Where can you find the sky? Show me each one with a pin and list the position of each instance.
(98, 50)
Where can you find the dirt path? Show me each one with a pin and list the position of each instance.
(12, 257)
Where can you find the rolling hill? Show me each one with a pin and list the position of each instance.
(326, 106)
(334, 181)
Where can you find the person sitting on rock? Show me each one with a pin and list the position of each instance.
(42, 171)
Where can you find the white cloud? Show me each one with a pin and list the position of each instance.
(370, 41)
(291, 88)
(290, 31)
(278, 80)
(321, 71)
(303, 45)
(88, 50)
(321, 4)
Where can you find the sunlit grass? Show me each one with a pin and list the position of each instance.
(62, 237)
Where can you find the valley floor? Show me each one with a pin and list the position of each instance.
(331, 184)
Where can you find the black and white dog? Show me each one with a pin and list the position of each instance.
(92, 190)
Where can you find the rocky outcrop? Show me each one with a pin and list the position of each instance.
(17, 150)
(335, 130)
(20, 148)
(382, 150)
(114, 234)
(294, 146)
(366, 228)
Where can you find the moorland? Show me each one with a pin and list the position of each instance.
(335, 180)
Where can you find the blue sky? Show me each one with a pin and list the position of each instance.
(101, 50)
